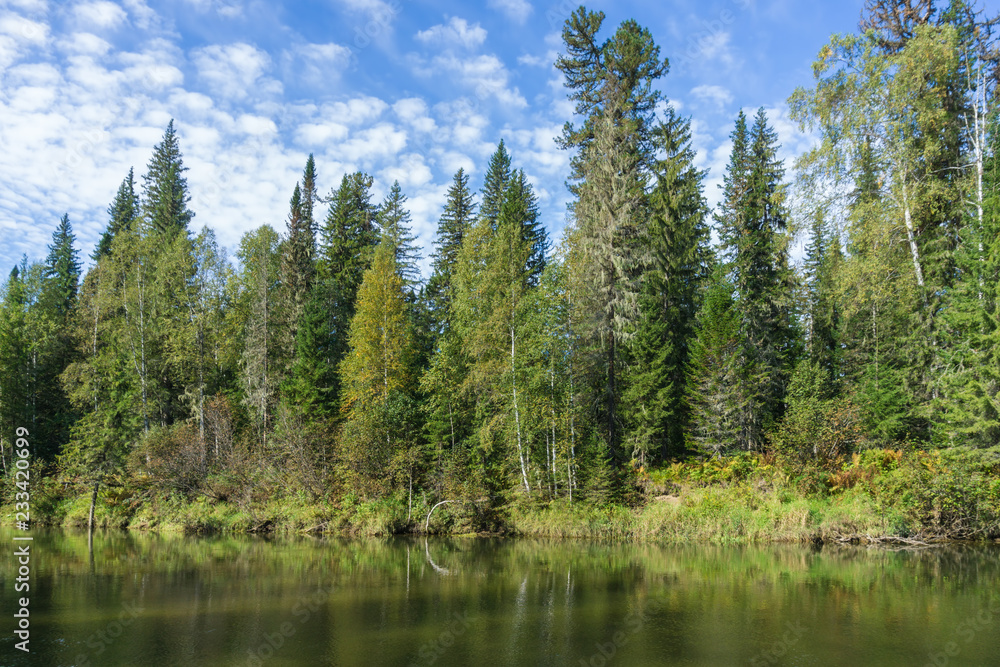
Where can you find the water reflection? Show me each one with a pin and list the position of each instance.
(180, 600)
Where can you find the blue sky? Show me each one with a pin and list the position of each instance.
(402, 89)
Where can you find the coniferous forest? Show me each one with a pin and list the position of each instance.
(661, 370)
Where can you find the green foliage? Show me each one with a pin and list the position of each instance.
(656, 403)
(752, 222)
(164, 188)
(394, 223)
(713, 371)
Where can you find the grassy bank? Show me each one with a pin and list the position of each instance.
(875, 495)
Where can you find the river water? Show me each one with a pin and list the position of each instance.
(149, 600)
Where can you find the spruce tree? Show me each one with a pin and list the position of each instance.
(714, 373)
(532, 231)
(310, 198)
(459, 213)
(394, 225)
(751, 223)
(822, 260)
(657, 411)
(62, 269)
(122, 213)
(349, 237)
(165, 192)
(296, 263)
(15, 364)
(498, 174)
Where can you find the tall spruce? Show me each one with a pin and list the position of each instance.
(62, 269)
(349, 237)
(122, 214)
(498, 174)
(752, 220)
(296, 262)
(164, 188)
(310, 197)
(678, 238)
(459, 213)
(394, 224)
(714, 373)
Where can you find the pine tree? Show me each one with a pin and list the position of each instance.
(165, 192)
(611, 84)
(122, 213)
(608, 234)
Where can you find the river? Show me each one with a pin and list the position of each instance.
(150, 600)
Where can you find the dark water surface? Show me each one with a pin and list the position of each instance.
(160, 600)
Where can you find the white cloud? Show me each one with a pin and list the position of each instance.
(76, 117)
(318, 64)
(457, 32)
(86, 43)
(516, 10)
(30, 6)
(534, 61)
(357, 111)
(100, 14)
(485, 75)
(233, 70)
(413, 111)
(410, 170)
(320, 134)
(716, 95)
(142, 15)
(224, 8)
(24, 30)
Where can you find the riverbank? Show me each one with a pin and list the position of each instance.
(878, 495)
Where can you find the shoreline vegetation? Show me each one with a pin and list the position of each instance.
(895, 498)
(662, 373)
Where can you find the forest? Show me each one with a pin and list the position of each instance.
(657, 349)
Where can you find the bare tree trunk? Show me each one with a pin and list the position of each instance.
(911, 235)
(93, 502)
